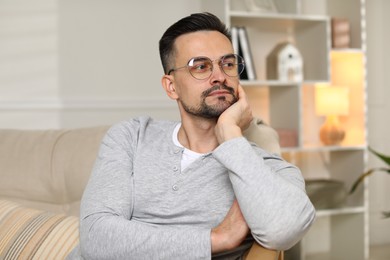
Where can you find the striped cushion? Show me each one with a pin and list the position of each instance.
(27, 233)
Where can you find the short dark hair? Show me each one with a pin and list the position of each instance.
(195, 22)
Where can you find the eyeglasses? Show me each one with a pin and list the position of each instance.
(202, 67)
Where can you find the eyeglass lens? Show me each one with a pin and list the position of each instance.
(202, 67)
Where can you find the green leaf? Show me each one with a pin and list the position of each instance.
(364, 175)
(360, 179)
(386, 214)
(384, 158)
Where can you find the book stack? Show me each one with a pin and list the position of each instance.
(242, 47)
(340, 33)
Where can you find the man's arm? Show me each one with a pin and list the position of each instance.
(230, 232)
(270, 191)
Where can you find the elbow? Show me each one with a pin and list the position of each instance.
(88, 248)
(91, 246)
(284, 234)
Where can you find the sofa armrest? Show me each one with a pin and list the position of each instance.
(27, 233)
(263, 135)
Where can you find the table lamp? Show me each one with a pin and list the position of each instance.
(332, 102)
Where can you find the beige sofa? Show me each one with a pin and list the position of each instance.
(42, 177)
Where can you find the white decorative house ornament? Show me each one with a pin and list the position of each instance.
(285, 63)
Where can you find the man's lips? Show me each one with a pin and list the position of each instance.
(219, 92)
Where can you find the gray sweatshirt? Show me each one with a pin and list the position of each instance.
(139, 204)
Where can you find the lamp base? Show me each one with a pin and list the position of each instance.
(331, 133)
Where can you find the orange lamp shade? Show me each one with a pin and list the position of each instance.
(332, 100)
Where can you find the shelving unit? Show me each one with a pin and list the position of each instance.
(338, 233)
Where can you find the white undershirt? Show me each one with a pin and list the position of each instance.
(188, 155)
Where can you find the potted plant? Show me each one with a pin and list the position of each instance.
(385, 159)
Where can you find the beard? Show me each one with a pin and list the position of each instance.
(211, 111)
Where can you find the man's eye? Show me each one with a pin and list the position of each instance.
(228, 65)
(201, 67)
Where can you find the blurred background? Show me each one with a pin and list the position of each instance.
(78, 63)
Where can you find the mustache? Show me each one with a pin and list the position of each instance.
(218, 87)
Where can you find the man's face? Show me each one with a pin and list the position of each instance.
(208, 97)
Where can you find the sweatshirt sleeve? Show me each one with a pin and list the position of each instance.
(107, 230)
(270, 192)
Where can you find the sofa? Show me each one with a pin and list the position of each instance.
(42, 177)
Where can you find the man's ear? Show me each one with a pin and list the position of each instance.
(169, 86)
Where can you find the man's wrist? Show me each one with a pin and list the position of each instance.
(220, 241)
(228, 132)
(215, 241)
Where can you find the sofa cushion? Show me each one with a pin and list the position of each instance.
(27, 233)
(26, 163)
(73, 158)
(47, 169)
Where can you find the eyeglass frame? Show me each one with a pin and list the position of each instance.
(220, 59)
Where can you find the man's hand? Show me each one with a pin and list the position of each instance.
(230, 232)
(234, 120)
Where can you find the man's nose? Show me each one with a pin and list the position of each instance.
(217, 74)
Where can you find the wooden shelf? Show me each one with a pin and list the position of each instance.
(340, 211)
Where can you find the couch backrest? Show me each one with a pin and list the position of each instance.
(47, 169)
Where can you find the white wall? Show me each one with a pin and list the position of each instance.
(72, 63)
(109, 58)
(28, 63)
(378, 38)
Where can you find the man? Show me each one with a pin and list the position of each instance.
(193, 189)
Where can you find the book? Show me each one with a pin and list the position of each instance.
(340, 33)
(246, 53)
(237, 49)
(234, 33)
